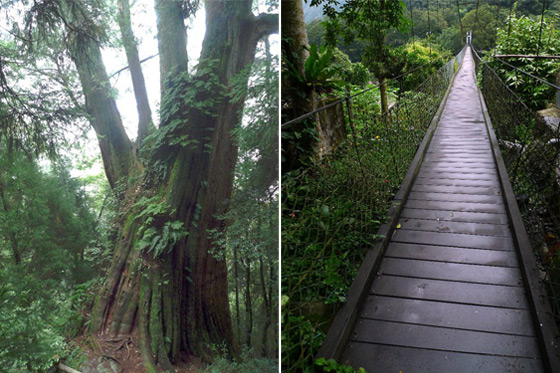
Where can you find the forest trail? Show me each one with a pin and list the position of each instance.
(449, 294)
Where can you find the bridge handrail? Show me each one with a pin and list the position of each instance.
(346, 98)
(529, 154)
(517, 69)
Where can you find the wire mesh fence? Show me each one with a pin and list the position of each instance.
(332, 210)
(530, 146)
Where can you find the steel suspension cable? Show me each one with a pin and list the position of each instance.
(412, 21)
(542, 21)
(429, 32)
(476, 18)
(511, 5)
(460, 21)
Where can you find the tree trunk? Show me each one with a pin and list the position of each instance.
(384, 100)
(248, 304)
(236, 279)
(272, 307)
(266, 306)
(145, 125)
(116, 148)
(173, 291)
(300, 142)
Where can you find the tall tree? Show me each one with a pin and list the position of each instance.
(163, 284)
(368, 20)
(299, 139)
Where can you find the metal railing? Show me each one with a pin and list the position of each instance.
(332, 210)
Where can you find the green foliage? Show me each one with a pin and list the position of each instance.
(201, 92)
(30, 332)
(316, 33)
(332, 366)
(521, 36)
(246, 363)
(319, 74)
(157, 234)
(450, 39)
(353, 73)
(45, 230)
(367, 23)
(427, 59)
(483, 22)
(360, 75)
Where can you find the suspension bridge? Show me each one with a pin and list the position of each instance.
(449, 293)
(452, 282)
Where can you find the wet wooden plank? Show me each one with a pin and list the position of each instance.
(462, 152)
(452, 254)
(456, 206)
(444, 339)
(444, 226)
(451, 197)
(453, 239)
(458, 216)
(486, 158)
(457, 316)
(382, 358)
(489, 191)
(455, 182)
(442, 163)
(457, 175)
(451, 292)
(451, 272)
(444, 148)
(458, 170)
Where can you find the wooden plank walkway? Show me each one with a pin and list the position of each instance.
(449, 296)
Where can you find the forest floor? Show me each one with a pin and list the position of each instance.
(121, 355)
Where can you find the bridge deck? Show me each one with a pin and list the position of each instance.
(449, 295)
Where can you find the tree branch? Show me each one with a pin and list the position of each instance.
(266, 24)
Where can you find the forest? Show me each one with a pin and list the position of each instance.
(361, 82)
(139, 188)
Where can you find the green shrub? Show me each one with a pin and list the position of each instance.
(521, 36)
(246, 363)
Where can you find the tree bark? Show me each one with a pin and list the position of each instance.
(172, 42)
(119, 159)
(248, 304)
(300, 143)
(236, 285)
(178, 299)
(266, 306)
(384, 100)
(145, 125)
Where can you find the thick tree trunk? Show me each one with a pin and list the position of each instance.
(145, 125)
(172, 42)
(116, 148)
(300, 142)
(176, 297)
